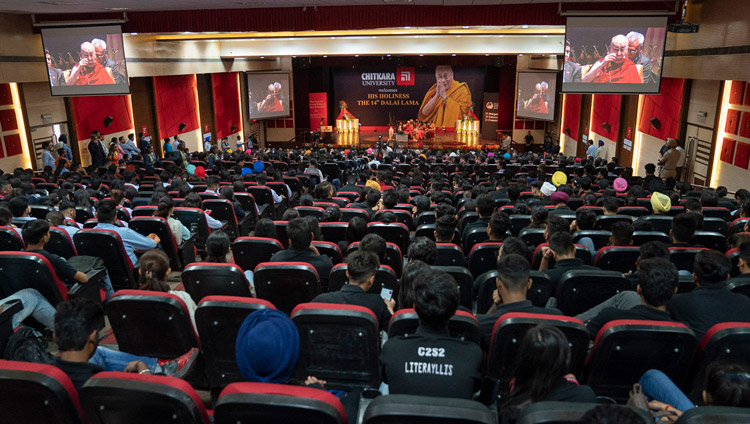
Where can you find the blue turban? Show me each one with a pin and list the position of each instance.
(506, 156)
(267, 347)
(246, 171)
(258, 166)
(601, 142)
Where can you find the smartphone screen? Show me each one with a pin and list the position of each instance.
(386, 294)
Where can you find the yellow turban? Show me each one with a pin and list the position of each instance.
(373, 185)
(660, 202)
(559, 178)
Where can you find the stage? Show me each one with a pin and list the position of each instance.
(447, 140)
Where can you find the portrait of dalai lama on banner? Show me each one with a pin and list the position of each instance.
(446, 101)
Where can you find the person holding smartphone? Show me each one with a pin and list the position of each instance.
(361, 269)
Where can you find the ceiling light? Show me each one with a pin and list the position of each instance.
(421, 54)
(407, 27)
(356, 55)
(388, 55)
(453, 54)
(458, 36)
(524, 26)
(465, 27)
(262, 57)
(117, 9)
(486, 54)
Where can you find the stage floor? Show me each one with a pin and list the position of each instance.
(448, 140)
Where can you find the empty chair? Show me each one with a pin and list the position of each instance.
(21, 270)
(465, 283)
(617, 258)
(564, 413)
(333, 231)
(342, 365)
(120, 397)
(149, 323)
(313, 211)
(717, 225)
(202, 279)
(428, 217)
(248, 252)
(683, 257)
(411, 409)
(40, 211)
(348, 213)
(218, 319)
(329, 249)
(60, 243)
(604, 222)
(449, 254)
(508, 333)
(717, 212)
(394, 232)
(532, 236)
(581, 289)
(107, 245)
(715, 414)
(710, 239)
(599, 237)
(286, 284)
(33, 393)
(625, 349)
(10, 239)
(634, 211)
(519, 222)
(281, 234)
(483, 257)
(463, 325)
(266, 402)
(728, 341)
(642, 237)
(143, 211)
(661, 223)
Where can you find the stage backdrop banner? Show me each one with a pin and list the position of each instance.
(489, 116)
(371, 94)
(318, 110)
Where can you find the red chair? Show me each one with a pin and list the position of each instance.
(483, 257)
(617, 258)
(539, 292)
(107, 245)
(143, 211)
(716, 212)
(463, 325)
(180, 252)
(393, 256)
(402, 216)
(264, 200)
(581, 289)
(449, 254)
(218, 319)
(10, 240)
(60, 243)
(333, 231)
(634, 211)
(683, 257)
(120, 397)
(582, 253)
(394, 232)
(605, 222)
(329, 249)
(37, 393)
(508, 332)
(426, 410)
(728, 341)
(250, 251)
(195, 220)
(148, 323)
(599, 237)
(21, 270)
(203, 279)
(281, 403)
(342, 365)
(286, 284)
(348, 213)
(223, 210)
(465, 283)
(625, 349)
(313, 211)
(642, 237)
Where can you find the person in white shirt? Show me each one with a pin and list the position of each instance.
(175, 143)
(207, 145)
(505, 144)
(681, 162)
(47, 158)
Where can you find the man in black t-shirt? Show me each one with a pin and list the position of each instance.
(657, 283)
(300, 236)
(36, 235)
(361, 269)
(431, 362)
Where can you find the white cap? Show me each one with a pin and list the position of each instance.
(548, 188)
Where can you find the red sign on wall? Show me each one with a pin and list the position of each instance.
(318, 110)
(205, 128)
(144, 130)
(630, 133)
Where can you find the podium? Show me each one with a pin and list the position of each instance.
(326, 132)
(347, 125)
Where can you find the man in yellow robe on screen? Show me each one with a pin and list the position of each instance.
(446, 101)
